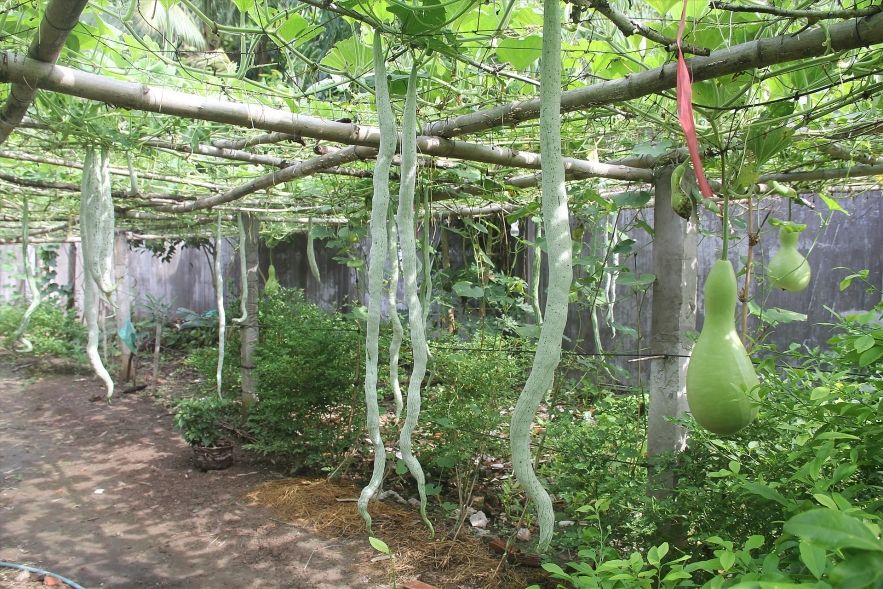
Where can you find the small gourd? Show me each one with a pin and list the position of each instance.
(721, 380)
(681, 188)
(272, 286)
(788, 269)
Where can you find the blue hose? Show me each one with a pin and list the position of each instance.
(33, 570)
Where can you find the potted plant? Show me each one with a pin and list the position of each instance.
(200, 421)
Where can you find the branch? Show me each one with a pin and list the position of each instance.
(629, 27)
(839, 152)
(850, 34)
(814, 15)
(831, 174)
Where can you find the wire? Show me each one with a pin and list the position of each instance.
(41, 572)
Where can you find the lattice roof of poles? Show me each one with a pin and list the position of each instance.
(268, 107)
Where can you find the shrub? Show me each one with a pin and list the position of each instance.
(306, 369)
(53, 330)
(200, 419)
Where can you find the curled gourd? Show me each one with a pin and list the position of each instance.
(681, 201)
(788, 269)
(721, 381)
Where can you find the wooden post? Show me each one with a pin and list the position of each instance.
(250, 331)
(157, 346)
(673, 315)
(123, 300)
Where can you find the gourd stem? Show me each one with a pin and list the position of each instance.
(726, 217)
(377, 260)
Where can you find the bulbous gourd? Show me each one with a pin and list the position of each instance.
(788, 269)
(721, 378)
(272, 286)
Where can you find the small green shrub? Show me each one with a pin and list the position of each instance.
(53, 330)
(205, 362)
(200, 419)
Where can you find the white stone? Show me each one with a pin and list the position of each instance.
(523, 535)
(478, 519)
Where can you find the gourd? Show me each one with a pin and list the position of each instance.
(96, 223)
(377, 259)
(681, 202)
(395, 345)
(788, 269)
(272, 285)
(36, 298)
(560, 260)
(222, 316)
(406, 230)
(721, 381)
(311, 251)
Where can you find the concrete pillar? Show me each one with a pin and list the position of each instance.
(250, 331)
(123, 299)
(673, 315)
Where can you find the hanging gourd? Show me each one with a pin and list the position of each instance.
(243, 273)
(559, 247)
(395, 345)
(416, 322)
(788, 269)
(682, 199)
(32, 283)
(272, 285)
(222, 315)
(721, 381)
(377, 260)
(311, 251)
(96, 230)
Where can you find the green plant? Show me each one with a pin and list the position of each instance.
(306, 366)
(721, 380)
(200, 419)
(53, 330)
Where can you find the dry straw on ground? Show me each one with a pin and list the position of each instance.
(329, 507)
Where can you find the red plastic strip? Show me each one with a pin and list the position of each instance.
(685, 111)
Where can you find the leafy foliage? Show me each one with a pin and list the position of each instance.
(53, 330)
(200, 419)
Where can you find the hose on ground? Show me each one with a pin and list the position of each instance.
(10, 565)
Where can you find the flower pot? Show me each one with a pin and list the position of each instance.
(215, 458)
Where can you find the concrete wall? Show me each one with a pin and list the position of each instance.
(853, 241)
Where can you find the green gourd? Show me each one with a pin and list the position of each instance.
(721, 378)
(681, 201)
(272, 286)
(788, 269)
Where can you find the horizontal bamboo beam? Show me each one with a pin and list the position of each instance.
(18, 69)
(850, 34)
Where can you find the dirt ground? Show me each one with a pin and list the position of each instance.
(107, 496)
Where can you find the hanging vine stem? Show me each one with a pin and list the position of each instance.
(395, 345)
(377, 260)
(744, 295)
(36, 298)
(222, 316)
(96, 224)
(243, 272)
(560, 255)
(311, 251)
(419, 347)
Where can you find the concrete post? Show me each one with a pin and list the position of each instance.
(673, 315)
(250, 331)
(122, 300)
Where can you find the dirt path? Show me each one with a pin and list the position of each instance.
(106, 496)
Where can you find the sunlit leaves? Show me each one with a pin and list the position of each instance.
(520, 53)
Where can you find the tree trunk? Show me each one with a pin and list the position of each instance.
(250, 331)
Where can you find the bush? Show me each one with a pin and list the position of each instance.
(53, 330)
(306, 369)
(200, 419)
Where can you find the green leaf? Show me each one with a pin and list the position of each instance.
(630, 279)
(419, 19)
(833, 205)
(776, 315)
(814, 558)
(728, 559)
(468, 290)
(753, 542)
(244, 5)
(859, 571)
(632, 199)
(520, 53)
(766, 492)
(833, 530)
(379, 545)
(653, 148)
(870, 355)
(401, 467)
(862, 343)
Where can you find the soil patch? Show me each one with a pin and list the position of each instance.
(107, 496)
